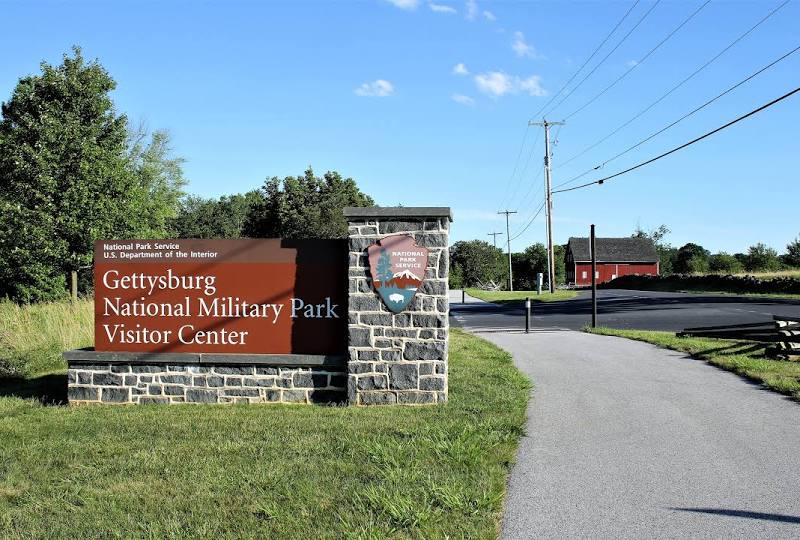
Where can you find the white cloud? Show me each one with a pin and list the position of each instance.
(522, 47)
(631, 63)
(533, 86)
(471, 10)
(460, 69)
(489, 16)
(497, 83)
(441, 8)
(378, 88)
(405, 4)
(463, 100)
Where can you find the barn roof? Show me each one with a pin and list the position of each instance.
(628, 249)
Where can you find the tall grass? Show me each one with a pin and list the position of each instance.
(32, 337)
(794, 273)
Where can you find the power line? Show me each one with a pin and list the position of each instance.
(519, 231)
(669, 92)
(596, 50)
(625, 37)
(639, 62)
(529, 222)
(522, 173)
(684, 145)
(530, 188)
(682, 118)
(516, 163)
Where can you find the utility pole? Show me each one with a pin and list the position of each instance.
(508, 237)
(593, 247)
(551, 265)
(494, 236)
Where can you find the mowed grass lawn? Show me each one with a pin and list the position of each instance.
(516, 297)
(268, 471)
(745, 358)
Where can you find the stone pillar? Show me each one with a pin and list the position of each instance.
(398, 358)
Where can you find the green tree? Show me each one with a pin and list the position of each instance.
(724, 263)
(64, 180)
(305, 206)
(792, 257)
(214, 218)
(527, 264)
(476, 262)
(559, 255)
(667, 254)
(157, 186)
(761, 258)
(691, 258)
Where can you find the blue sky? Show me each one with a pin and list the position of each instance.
(372, 89)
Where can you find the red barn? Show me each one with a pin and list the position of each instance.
(615, 257)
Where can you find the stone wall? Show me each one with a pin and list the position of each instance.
(398, 358)
(182, 383)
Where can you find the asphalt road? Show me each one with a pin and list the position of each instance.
(627, 309)
(625, 440)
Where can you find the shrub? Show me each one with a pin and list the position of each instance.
(731, 284)
(761, 258)
(724, 263)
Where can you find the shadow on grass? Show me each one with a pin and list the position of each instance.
(50, 389)
(733, 350)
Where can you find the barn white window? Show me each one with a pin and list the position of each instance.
(597, 275)
(583, 274)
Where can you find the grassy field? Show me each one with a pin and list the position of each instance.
(769, 275)
(745, 358)
(274, 471)
(33, 337)
(515, 297)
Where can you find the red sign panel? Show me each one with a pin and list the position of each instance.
(268, 296)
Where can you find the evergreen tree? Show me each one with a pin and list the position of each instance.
(384, 267)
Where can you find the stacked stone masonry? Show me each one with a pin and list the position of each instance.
(398, 358)
(164, 383)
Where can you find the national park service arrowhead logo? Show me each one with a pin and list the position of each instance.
(398, 267)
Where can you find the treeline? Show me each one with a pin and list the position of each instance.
(73, 170)
(695, 259)
(477, 263)
(304, 206)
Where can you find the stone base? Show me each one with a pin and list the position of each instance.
(398, 358)
(125, 378)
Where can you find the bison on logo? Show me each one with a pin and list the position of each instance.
(398, 266)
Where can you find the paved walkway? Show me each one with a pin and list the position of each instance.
(626, 440)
